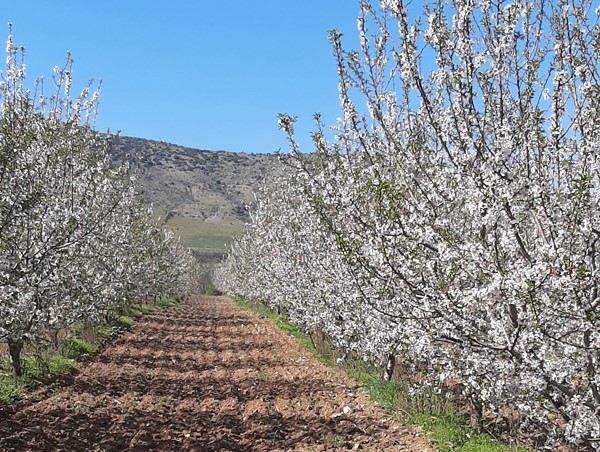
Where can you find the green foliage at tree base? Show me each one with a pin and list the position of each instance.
(77, 347)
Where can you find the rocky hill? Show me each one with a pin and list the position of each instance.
(206, 186)
(203, 194)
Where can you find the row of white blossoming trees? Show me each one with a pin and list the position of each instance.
(455, 221)
(75, 241)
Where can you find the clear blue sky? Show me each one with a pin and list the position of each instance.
(205, 74)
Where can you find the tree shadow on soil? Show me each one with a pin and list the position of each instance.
(145, 394)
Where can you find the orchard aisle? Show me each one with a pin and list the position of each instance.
(204, 375)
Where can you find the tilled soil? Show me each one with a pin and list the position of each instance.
(205, 376)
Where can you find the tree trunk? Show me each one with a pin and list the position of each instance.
(389, 368)
(14, 348)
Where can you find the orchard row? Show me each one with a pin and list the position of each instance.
(453, 220)
(76, 243)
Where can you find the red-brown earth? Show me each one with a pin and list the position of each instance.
(205, 375)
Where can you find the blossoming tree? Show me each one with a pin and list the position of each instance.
(453, 220)
(73, 234)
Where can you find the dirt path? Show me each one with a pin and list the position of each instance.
(204, 376)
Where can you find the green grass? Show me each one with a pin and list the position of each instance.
(451, 433)
(146, 308)
(165, 302)
(76, 347)
(59, 365)
(429, 409)
(104, 333)
(36, 370)
(124, 322)
(207, 243)
(212, 290)
(135, 312)
(11, 389)
(202, 235)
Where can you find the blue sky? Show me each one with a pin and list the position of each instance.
(205, 74)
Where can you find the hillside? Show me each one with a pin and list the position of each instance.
(207, 186)
(203, 194)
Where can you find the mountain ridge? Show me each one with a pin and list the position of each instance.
(201, 195)
(204, 185)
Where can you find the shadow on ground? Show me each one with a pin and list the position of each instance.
(207, 376)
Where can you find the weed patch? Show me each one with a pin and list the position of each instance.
(124, 322)
(77, 347)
